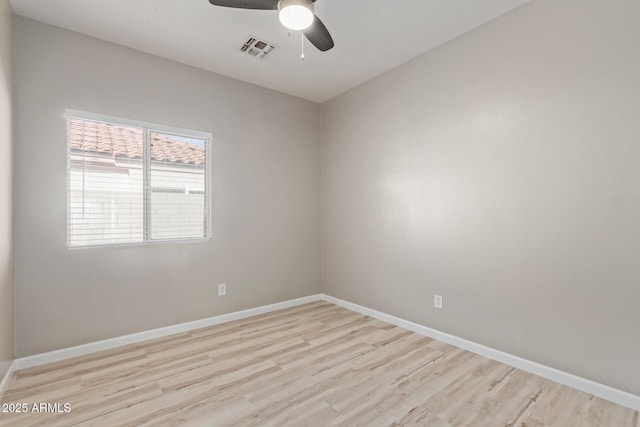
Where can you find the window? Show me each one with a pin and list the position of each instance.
(131, 182)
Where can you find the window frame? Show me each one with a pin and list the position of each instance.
(147, 128)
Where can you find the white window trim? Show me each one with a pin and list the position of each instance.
(154, 127)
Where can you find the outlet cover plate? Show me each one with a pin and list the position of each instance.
(437, 301)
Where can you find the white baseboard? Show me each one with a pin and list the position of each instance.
(600, 390)
(84, 349)
(7, 376)
(606, 392)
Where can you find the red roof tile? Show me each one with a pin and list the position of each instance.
(127, 141)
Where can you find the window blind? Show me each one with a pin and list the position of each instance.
(135, 184)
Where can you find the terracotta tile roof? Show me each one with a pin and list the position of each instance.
(126, 142)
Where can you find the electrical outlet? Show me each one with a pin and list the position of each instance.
(437, 301)
(222, 289)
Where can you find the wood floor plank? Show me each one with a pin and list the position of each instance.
(315, 364)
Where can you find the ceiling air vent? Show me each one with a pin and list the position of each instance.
(258, 48)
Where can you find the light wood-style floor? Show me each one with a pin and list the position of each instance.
(311, 365)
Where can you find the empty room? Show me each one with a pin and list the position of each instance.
(320, 213)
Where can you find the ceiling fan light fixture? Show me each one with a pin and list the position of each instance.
(296, 14)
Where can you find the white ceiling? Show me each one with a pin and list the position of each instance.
(371, 36)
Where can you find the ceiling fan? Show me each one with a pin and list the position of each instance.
(294, 15)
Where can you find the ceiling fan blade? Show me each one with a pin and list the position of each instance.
(319, 36)
(247, 4)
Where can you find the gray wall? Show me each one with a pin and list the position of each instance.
(266, 214)
(6, 184)
(500, 170)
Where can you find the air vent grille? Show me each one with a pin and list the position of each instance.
(258, 48)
